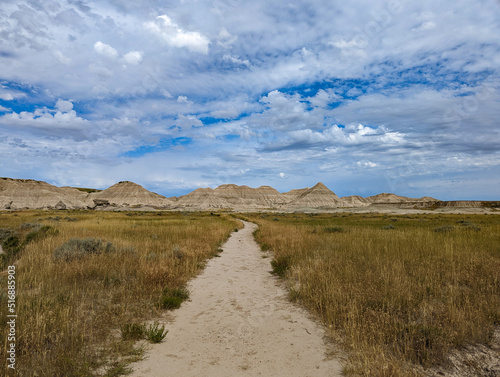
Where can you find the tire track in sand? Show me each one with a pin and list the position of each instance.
(239, 322)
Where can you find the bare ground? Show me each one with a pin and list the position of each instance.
(239, 322)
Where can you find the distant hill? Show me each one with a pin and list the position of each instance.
(127, 194)
(28, 193)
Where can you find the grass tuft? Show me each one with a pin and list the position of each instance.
(155, 334)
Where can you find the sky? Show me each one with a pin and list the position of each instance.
(365, 96)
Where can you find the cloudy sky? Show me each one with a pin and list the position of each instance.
(366, 96)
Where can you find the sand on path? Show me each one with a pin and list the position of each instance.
(239, 322)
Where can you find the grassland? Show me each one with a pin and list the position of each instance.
(398, 292)
(72, 305)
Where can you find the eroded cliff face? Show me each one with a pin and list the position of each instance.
(233, 196)
(131, 194)
(28, 193)
(318, 196)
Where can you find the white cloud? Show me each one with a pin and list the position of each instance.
(62, 58)
(171, 33)
(105, 50)
(64, 106)
(236, 60)
(4, 109)
(7, 94)
(183, 99)
(133, 57)
(366, 164)
(226, 39)
(188, 121)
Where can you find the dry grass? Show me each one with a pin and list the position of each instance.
(70, 310)
(399, 292)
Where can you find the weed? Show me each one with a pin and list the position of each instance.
(173, 298)
(155, 334)
(133, 331)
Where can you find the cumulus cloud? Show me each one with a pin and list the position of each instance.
(133, 57)
(8, 94)
(64, 106)
(165, 28)
(105, 50)
(292, 84)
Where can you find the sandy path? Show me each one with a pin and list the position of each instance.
(238, 322)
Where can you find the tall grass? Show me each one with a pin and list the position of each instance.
(70, 309)
(399, 292)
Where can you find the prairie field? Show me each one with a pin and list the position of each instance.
(86, 281)
(397, 292)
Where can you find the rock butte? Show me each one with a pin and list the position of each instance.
(32, 194)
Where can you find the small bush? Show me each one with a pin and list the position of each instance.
(77, 248)
(40, 233)
(280, 266)
(177, 252)
(134, 331)
(4, 233)
(25, 226)
(156, 334)
(182, 293)
(11, 245)
(444, 229)
(168, 302)
(469, 225)
(173, 298)
(333, 229)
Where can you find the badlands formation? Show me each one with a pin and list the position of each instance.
(31, 194)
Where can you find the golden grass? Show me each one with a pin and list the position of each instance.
(70, 313)
(399, 292)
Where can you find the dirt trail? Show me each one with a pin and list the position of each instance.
(239, 322)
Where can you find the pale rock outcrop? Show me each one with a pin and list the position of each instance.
(127, 194)
(354, 201)
(318, 196)
(28, 193)
(202, 198)
(294, 194)
(233, 196)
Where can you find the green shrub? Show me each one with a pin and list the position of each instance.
(11, 245)
(40, 233)
(76, 248)
(388, 227)
(25, 226)
(280, 266)
(169, 302)
(333, 229)
(156, 334)
(173, 298)
(134, 331)
(444, 229)
(4, 233)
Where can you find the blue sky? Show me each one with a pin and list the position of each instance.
(365, 96)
